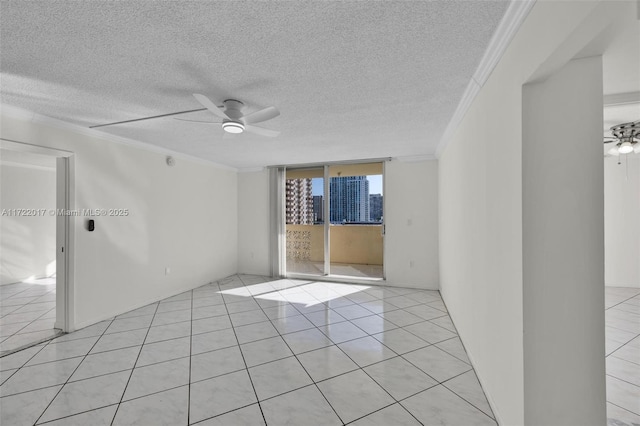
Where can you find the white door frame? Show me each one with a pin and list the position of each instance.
(65, 253)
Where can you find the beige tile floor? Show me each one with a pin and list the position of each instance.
(250, 350)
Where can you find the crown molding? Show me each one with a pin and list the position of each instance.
(509, 25)
(470, 93)
(20, 113)
(251, 169)
(415, 158)
(621, 99)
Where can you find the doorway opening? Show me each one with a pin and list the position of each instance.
(34, 243)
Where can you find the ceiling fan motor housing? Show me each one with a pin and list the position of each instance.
(626, 130)
(233, 110)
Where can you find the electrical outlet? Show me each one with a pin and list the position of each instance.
(167, 271)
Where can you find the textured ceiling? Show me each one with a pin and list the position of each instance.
(352, 80)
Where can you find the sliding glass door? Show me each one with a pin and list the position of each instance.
(336, 228)
(356, 220)
(304, 221)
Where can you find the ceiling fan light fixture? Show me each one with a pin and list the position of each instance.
(625, 148)
(233, 127)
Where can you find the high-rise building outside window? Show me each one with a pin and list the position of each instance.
(299, 202)
(349, 199)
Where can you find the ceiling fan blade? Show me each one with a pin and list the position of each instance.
(206, 102)
(261, 131)
(198, 121)
(262, 115)
(147, 118)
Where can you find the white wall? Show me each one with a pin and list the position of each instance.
(563, 247)
(182, 217)
(622, 221)
(411, 220)
(481, 257)
(27, 243)
(253, 223)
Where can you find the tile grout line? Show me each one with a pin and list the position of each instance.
(25, 363)
(623, 301)
(366, 333)
(626, 331)
(34, 297)
(246, 367)
(76, 414)
(613, 354)
(31, 322)
(75, 340)
(624, 380)
(347, 355)
(397, 356)
(625, 409)
(134, 364)
(16, 333)
(463, 398)
(396, 401)
(472, 367)
(190, 360)
(313, 382)
(420, 369)
(22, 306)
(72, 373)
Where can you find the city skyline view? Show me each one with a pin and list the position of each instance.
(351, 200)
(375, 185)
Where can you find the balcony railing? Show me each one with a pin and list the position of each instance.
(350, 244)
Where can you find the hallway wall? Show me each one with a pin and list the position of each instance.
(622, 221)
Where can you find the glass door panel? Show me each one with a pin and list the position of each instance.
(356, 220)
(304, 221)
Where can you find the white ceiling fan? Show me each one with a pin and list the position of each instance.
(233, 120)
(626, 137)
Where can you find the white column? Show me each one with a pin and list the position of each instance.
(563, 247)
